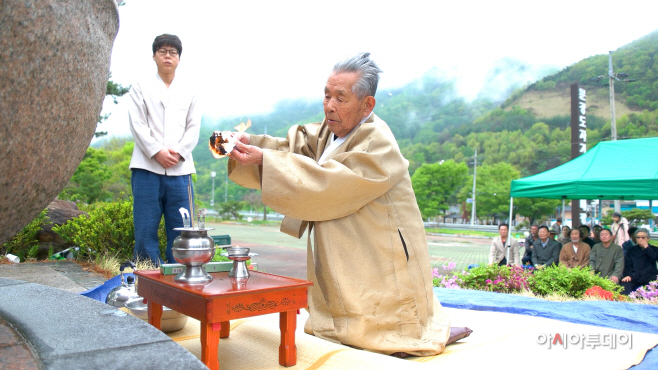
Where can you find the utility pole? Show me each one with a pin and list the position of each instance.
(226, 189)
(613, 119)
(475, 166)
(612, 76)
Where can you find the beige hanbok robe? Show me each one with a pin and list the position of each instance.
(367, 249)
(573, 259)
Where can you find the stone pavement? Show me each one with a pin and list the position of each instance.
(65, 275)
(45, 327)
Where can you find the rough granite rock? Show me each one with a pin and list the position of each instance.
(59, 213)
(54, 66)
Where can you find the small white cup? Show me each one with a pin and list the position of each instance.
(13, 258)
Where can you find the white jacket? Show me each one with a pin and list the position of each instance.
(162, 117)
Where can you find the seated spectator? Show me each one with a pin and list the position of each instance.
(596, 231)
(629, 243)
(545, 252)
(500, 246)
(566, 235)
(640, 263)
(551, 234)
(607, 258)
(584, 229)
(529, 241)
(575, 253)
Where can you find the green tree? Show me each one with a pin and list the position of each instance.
(493, 189)
(230, 209)
(638, 215)
(113, 90)
(535, 208)
(437, 184)
(89, 180)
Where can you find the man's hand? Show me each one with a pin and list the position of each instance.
(614, 279)
(174, 154)
(242, 137)
(626, 279)
(247, 154)
(165, 158)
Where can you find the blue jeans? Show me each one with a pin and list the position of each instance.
(154, 196)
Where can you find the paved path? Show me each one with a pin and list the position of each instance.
(65, 275)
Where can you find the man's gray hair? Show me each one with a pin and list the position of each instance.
(366, 84)
(642, 230)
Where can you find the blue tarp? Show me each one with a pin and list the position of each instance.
(100, 292)
(616, 315)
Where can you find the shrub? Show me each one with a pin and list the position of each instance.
(25, 244)
(107, 230)
(502, 279)
(571, 282)
(542, 282)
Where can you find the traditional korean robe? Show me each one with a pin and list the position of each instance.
(367, 249)
(573, 259)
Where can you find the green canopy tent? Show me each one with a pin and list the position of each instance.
(622, 169)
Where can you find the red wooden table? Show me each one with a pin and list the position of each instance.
(224, 299)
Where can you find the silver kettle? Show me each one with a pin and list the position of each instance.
(124, 292)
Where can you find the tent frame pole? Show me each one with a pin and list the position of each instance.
(509, 230)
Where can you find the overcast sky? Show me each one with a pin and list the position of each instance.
(244, 56)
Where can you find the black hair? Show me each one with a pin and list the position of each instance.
(543, 227)
(606, 229)
(501, 225)
(586, 228)
(580, 233)
(168, 40)
(632, 230)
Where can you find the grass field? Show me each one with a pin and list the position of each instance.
(462, 232)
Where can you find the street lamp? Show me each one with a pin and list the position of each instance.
(212, 198)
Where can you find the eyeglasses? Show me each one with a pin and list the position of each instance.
(640, 237)
(172, 52)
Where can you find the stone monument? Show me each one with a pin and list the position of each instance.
(54, 67)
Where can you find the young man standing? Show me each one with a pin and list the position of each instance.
(165, 122)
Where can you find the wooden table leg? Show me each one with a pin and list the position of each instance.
(287, 349)
(209, 345)
(154, 314)
(225, 331)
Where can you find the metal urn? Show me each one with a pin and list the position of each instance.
(193, 248)
(124, 292)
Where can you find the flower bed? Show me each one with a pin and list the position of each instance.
(577, 283)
